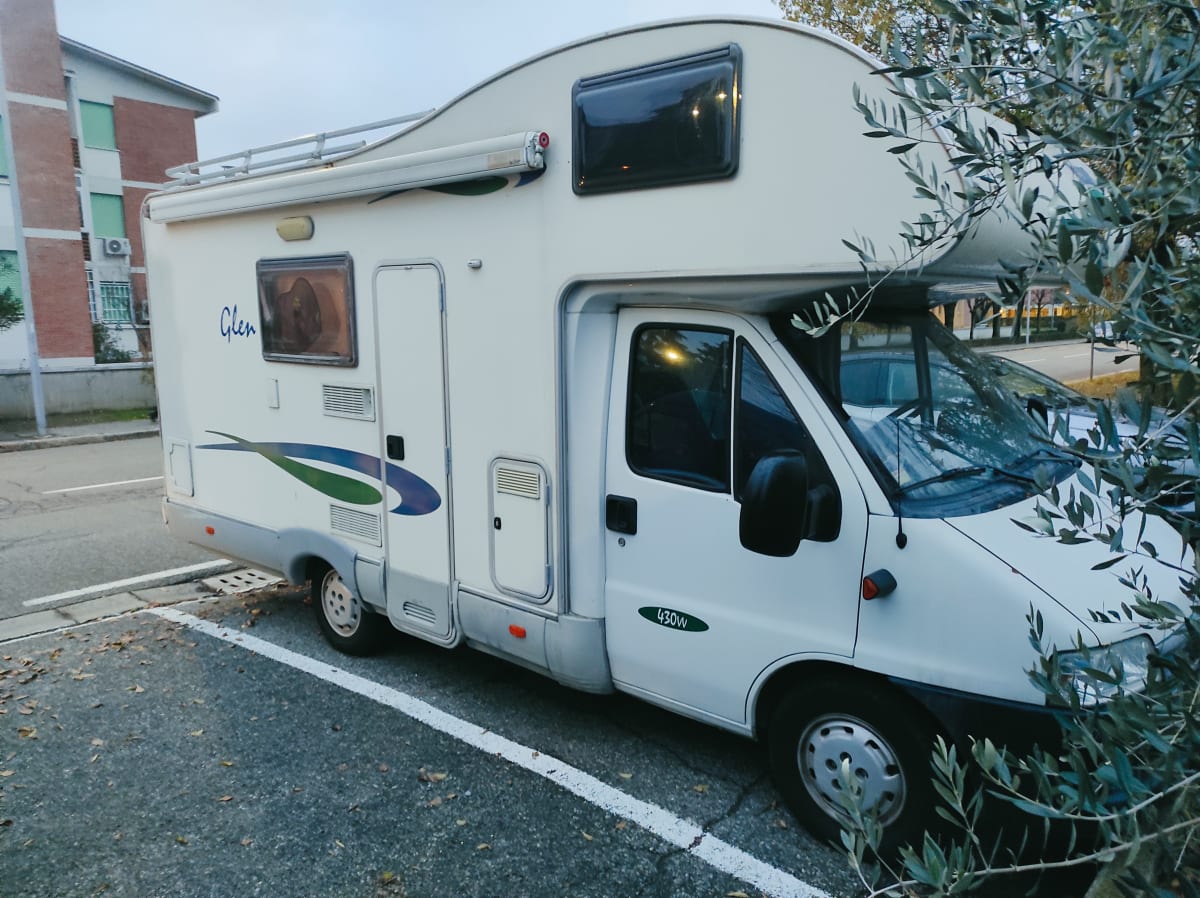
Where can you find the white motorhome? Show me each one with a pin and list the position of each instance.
(524, 376)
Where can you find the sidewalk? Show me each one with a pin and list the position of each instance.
(73, 434)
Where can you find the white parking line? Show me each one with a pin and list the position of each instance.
(679, 832)
(100, 486)
(145, 581)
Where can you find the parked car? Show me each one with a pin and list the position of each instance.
(1103, 332)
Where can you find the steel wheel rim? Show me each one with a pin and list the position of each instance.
(341, 607)
(828, 741)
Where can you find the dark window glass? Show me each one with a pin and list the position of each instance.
(679, 401)
(307, 310)
(662, 124)
(766, 423)
(860, 379)
(901, 382)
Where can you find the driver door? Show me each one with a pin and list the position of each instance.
(694, 618)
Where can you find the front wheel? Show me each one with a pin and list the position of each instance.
(886, 743)
(346, 622)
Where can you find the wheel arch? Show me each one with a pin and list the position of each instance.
(778, 683)
(302, 549)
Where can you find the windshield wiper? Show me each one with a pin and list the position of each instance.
(971, 471)
(1049, 453)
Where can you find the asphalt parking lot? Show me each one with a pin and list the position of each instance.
(225, 750)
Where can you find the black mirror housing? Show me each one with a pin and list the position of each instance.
(775, 505)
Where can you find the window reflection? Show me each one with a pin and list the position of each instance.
(307, 310)
(679, 406)
(658, 125)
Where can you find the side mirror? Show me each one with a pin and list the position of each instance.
(775, 505)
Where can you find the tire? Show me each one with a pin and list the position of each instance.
(348, 625)
(888, 743)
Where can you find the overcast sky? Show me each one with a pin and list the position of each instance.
(284, 68)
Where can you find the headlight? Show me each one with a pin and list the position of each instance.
(1091, 672)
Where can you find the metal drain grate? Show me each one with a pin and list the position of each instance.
(240, 581)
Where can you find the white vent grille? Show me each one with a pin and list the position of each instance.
(527, 484)
(348, 402)
(420, 612)
(360, 524)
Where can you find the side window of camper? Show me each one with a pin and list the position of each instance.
(680, 386)
(666, 123)
(307, 310)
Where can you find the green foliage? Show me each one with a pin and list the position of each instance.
(1080, 122)
(874, 25)
(105, 348)
(11, 309)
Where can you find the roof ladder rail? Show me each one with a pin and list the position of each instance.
(243, 162)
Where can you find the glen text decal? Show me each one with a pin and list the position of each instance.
(233, 326)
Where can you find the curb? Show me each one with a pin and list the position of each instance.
(40, 623)
(103, 603)
(1001, 348)
(50, 442)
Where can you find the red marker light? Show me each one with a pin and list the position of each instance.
(210, 531)
(543, 140)
(516, 631)
(878, 584)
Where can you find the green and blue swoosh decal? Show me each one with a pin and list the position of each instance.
(417, 497)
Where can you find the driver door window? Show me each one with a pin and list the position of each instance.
(680, 390)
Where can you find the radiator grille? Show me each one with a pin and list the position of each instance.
(360, 524)
(348, 402)
(519, 483)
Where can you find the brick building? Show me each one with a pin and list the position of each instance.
(91, 136)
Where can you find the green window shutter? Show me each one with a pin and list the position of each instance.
(3, 153)
(108, 215)
(98, 128)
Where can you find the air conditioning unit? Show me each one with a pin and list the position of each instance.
(116, 246)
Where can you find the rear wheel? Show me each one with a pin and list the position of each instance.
(347, 623)
(886, 744)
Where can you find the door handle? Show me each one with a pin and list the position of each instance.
(620, 514)
(395, 447)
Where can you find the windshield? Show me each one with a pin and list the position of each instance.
(1027, 383)
(944, 435)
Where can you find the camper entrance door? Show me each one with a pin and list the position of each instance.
(410, 346)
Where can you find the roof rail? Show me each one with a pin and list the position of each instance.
(240, 164)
